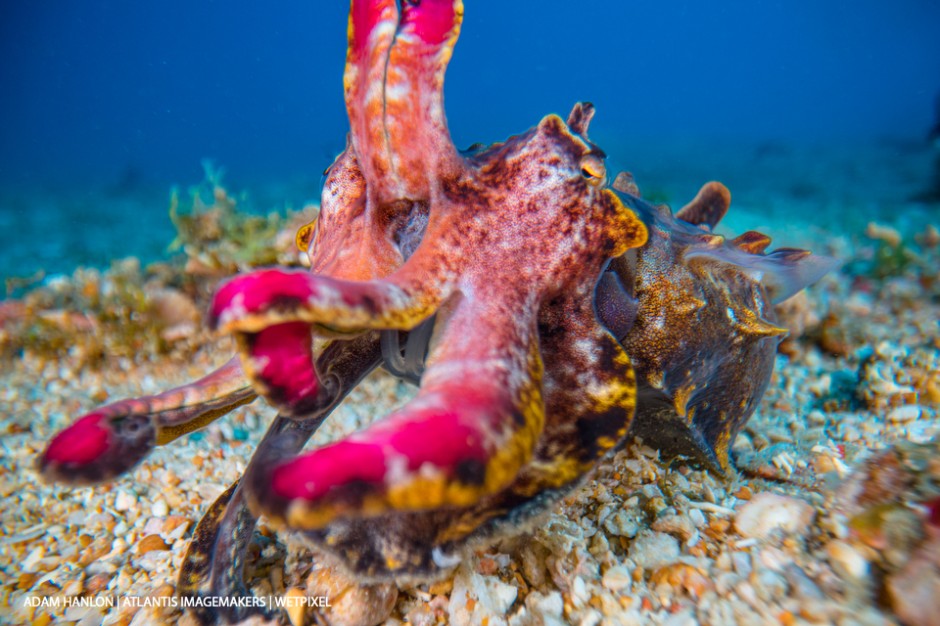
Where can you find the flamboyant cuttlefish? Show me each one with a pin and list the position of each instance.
(511, 281)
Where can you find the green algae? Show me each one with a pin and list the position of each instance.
(128, 311)
(216, 236)
(893, 255)
(88, 317)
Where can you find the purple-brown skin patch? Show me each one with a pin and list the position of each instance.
(82, 442)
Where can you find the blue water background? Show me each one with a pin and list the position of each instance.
(107, 104)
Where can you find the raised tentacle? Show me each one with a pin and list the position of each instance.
(112, 439)
(372, 26)
(415, 125)
(394, 94)
(394, 82)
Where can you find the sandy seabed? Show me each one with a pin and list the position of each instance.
(836, 519)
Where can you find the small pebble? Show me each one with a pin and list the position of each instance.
(906, 413)
(294, 605)
(477, 598)
(72, 588)
(847, 560)
(352, 604)
(151, 543)
(579, 592)
(125, 500)
(767, 512)
(154, 526)
(802, 585)
(685, 618)
(160, 508)
(622, 524)
(742, 563)
(652, 550)
(617, 578)
(97, 583)
(31, 562)
(550, 604)
(680, 526)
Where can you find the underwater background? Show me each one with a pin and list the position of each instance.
(823, 119)
(813, 113)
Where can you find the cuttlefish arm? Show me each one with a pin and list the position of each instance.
(215, 560)
(394, 84)
(470, 429)
(114, 438)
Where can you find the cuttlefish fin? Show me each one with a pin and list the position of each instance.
(784, 271)
(708, 207)
(751, 242)
(625, 183)
(793, 269)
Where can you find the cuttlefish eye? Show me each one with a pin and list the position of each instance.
(593, 170)
(305, 236)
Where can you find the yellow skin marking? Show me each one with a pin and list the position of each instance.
(166, 434)
(304, 236)
(681, 401)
